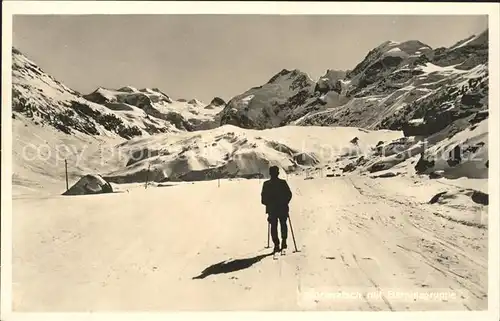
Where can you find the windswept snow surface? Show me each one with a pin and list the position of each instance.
(365, 244)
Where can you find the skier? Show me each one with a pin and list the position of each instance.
(275, 196)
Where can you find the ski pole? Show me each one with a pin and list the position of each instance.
(293, 236)
(268, 232)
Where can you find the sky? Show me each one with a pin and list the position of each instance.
(203, 56)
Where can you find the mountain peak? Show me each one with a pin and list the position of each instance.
(128, 89)
(289, 74)
(217, 101)
(473, 40)
(409, 46)
(16, 51)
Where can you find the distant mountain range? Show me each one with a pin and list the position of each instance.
(395, 84)
(439, 96)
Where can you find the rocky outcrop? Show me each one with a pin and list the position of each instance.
(142, 99)
(217, 101)
(398, 85)
(467, 100)
(269, 105)
(466, 54)
(330, 82)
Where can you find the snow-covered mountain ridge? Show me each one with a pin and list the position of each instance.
(432, 101)
(126, 112)
(392, 85)
(431, 95)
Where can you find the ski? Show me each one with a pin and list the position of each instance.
(279, 253)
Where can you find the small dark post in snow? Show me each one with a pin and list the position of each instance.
(66, 169)
(147, 177)
(218, 182)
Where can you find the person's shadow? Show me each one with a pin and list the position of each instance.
(230, 266)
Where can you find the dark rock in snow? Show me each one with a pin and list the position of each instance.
(479, 117)
(435, 175)
(387, 175)
(480, 198)
(455, 156)
(423, 164)
(436, 197)
(349, 167)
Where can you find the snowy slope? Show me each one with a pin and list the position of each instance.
(392, 83)
(230, 151)
(382, 61)
(466, 53)
(46, 101)
(462, 155)
(457, 151)
(269, 105)
(388, 165)
(429, 94)
(39, 154)
(185, 115)
(397, 82)
(404, 95)
(330, 81)
(52, 123)
(377, 242)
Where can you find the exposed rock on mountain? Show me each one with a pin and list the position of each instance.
(330, 82)
(217, 102)
(46, 101)
(465, 54)
(399, 85)
(184, 115)
(429, 94)
(271, 104)
(437, 98)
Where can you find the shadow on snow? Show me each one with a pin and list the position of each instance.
(230, 266)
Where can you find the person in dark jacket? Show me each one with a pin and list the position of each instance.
(276, 196)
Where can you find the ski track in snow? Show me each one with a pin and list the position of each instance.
(144, 249)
